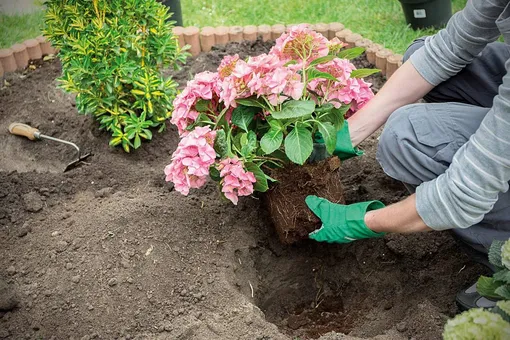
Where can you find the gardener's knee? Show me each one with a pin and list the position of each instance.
(396, 152)
(415, 46)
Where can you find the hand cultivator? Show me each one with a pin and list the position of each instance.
(31, 133)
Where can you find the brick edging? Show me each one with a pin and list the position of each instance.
(202, 40)
(18, 56)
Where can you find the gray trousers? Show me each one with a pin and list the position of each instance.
(419, 140)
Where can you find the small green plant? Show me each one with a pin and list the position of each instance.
(112, 54)
(498, 286)
(477, 323)
(494, 323)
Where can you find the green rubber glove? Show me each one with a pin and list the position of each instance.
(341, 223)
(344, 148)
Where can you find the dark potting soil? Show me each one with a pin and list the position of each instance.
(285, 201)
(109, 250)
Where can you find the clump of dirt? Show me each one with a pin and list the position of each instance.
(109, 250)
(285, 200)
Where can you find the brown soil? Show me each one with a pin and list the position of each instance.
(285, 201)
(109, 250)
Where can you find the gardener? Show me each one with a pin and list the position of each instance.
(452, 153)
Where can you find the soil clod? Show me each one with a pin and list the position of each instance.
(33, 202)
(286, 199)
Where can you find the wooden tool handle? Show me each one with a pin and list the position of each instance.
(21, 129)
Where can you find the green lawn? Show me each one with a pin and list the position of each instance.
(379, 20)
(18, 28)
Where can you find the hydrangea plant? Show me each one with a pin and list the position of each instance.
(497, 286)
(264, 112)
(477, 323)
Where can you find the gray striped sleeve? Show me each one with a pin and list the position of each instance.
(480, 169)
(454, 47)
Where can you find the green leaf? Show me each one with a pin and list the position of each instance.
(261, 184)
(271, 141)
(137, 142)
(313, 73)
(299, 145)
(220, 143)
(275, 124)
(351, 53)
(248, 143)
(214, 173)
(502, 275)
(252, 101)
(291, 62)
(115, 141)
(364, 72)
(495, 253)
(237, 141)
(503, 291)
(202, 105)
(487, 286)
(295, 109)
(242, 116)
(326, 107)
(328, 132)
(502, 313)
(147, 134)
(336, 116)
(322, 60)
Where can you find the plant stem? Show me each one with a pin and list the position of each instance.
(264, 158)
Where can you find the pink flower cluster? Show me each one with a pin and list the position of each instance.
(343, 91)
(236, 181)
(301, 44)
(191, 161)
(264, 75)
(203, 86)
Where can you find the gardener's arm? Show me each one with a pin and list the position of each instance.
(443, 56)
(400, 217)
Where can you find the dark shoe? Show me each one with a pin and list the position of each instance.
(469, 298)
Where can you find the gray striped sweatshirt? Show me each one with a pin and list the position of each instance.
(480, 170)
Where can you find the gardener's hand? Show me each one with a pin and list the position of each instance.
(343, 149)
(341, 223)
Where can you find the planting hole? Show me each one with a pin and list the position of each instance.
(363, 289)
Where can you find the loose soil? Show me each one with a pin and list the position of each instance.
(109, 250)
(285, 201)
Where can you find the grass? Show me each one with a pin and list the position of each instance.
(379, 20)
(20, 27)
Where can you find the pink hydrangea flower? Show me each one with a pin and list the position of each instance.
(205, 86)
(335, 45)
(227, 65)
(237, 73)
(236, 181)
(301, 44)
(263, 75)
(191, 160)
(345, 90)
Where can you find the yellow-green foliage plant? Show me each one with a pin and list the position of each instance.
(112, 54)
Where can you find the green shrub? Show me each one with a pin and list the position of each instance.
(112, 54)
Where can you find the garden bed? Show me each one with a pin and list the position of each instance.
(109, 250)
